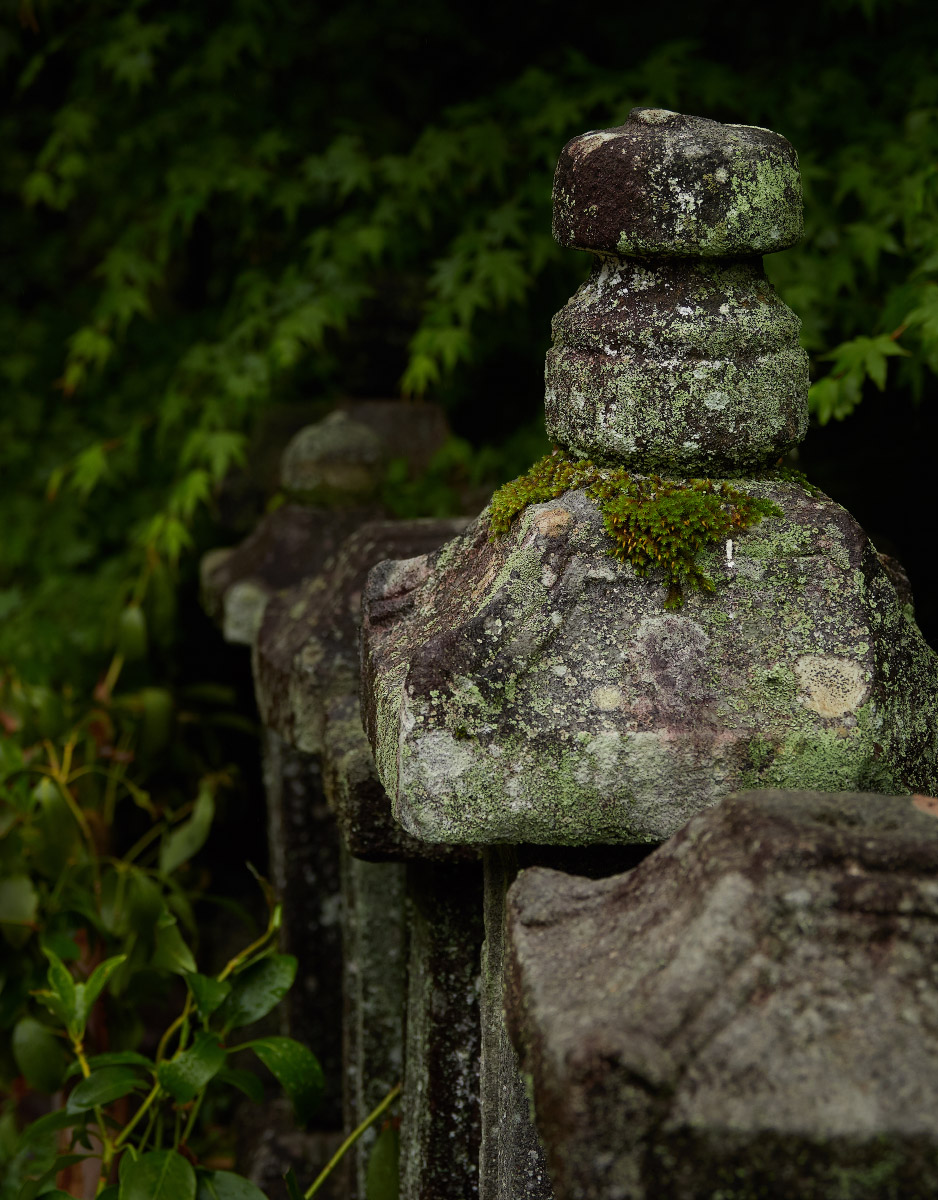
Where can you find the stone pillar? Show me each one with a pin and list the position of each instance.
(511, 1159)
(440, 1109)
(304, 870)
(411, 945)
(656, 615)
(375, 990)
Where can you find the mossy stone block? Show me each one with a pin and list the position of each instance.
(534, 689)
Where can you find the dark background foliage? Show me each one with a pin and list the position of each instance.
(210, 209)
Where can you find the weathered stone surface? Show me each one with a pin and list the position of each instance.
(676, 354)
(306, 672)
(288, 544)
(750, 1013)
(307, 648)
(666, 183)
(535, 689)
(511, 1157)
(677, 366)
(375, 992)
(341, 459)
(303, 847)
(440, 1104)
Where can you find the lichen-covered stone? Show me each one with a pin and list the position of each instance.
(750, 1013)
(677, 366)
(440, 1101)
(535, 690)
(676, 355)
(306, 675)
(665, 183)
(287, 545)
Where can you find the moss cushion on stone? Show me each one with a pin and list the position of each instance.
(652, 522)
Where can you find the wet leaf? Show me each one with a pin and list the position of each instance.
(102, 1087)
(187, 1074)
(296, 1069)
(225, 1185)
(207, 992)
(258, 989)
(180, 845)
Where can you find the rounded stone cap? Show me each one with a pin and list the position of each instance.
(336, 461)
(665, 183)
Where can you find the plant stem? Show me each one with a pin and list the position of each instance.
(350, 1141)
(193, 1114)
(128, 1128)
(108, 1147)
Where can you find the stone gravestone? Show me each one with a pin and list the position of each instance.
(657, 614)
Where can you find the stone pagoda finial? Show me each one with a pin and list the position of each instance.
(676, 355)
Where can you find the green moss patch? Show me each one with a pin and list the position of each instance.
(653, 522)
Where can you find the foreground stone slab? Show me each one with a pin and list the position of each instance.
(750, 1012)
(535, 689)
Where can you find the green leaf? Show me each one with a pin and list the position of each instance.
(185, 841)
(63, 998)
(102, 1087)
(157, 728)
(18, 900)
(293, 1188)
(382, 1177)
(207, 992)
(99, 978)
(185, 1075)
(171, 953)
(115, 1058)
(257, 989)
(225, 1185)
(158, 1175)
(62, 944)
(245, 1081)
(38, 1054)
(295, 1068)
(90, 468)
(57, 826)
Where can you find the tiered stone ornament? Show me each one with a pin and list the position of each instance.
(524, 685)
